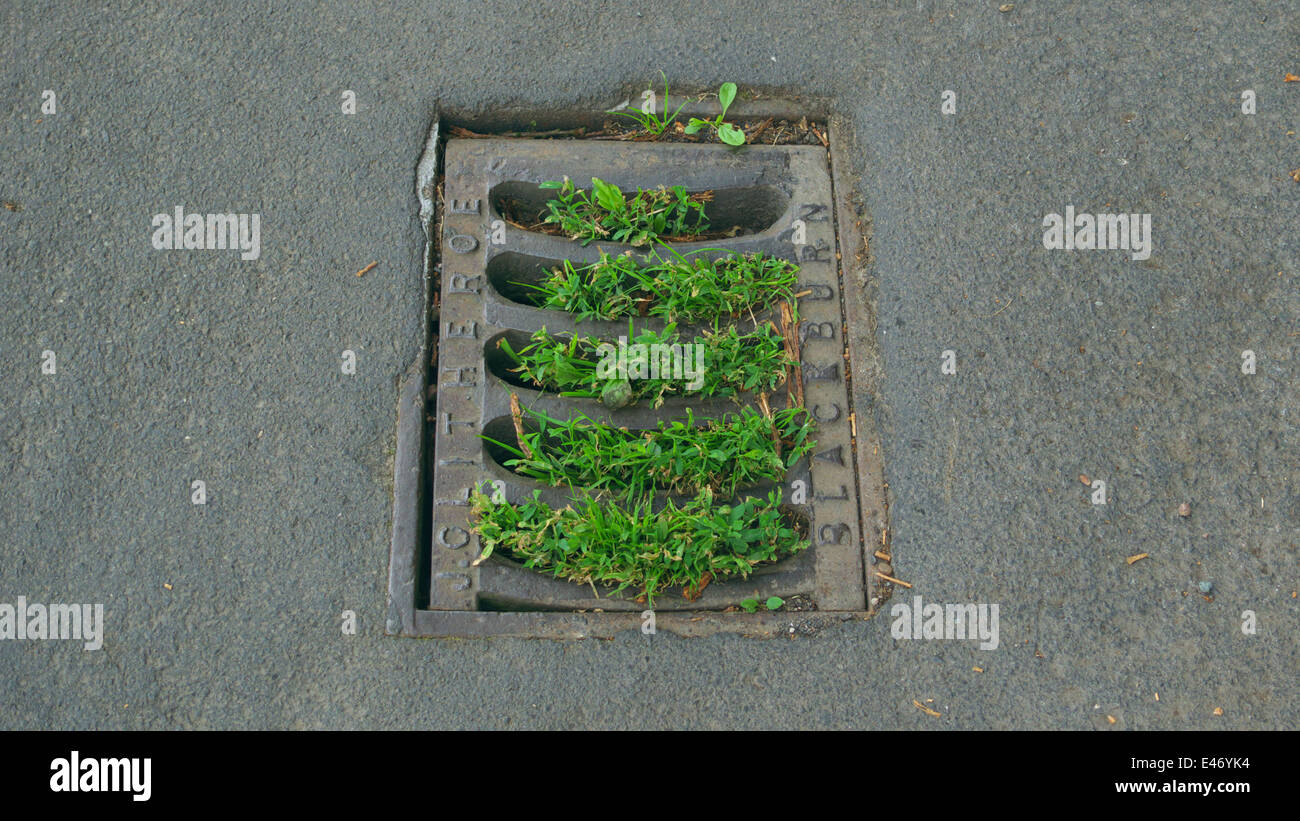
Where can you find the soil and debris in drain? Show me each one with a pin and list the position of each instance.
(799, 604)
(770, 131)
(794, 604)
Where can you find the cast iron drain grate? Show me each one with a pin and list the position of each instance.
(780, 199)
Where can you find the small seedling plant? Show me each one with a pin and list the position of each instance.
(671, 286)
(633, 545)
(728, 133)
(606, 213)
(725, 455)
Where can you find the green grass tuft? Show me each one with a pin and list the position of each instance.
(606, 213)
(676, 289)
(629, 545)
(723, 455)
(734, 363)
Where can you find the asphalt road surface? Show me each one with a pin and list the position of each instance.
(174, 366)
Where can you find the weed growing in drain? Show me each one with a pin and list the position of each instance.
(728, 133)
(631, 545)
(606, 213)
(730, 363)
(677, 289)
(609, 288)
(655, 124)
(724, 455)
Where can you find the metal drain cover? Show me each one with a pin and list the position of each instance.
(780, 197)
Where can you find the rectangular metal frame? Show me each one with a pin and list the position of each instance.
(437, 592)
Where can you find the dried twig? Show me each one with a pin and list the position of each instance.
(767, 413)
(753, 135)
(893, 580)
(1003, 308)
(517, 416)
(794, 373)
(457, 131)
(554, 132)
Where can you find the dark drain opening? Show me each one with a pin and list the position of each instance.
(427, 437)
(515, 276)
(499, 363)
(732, 212)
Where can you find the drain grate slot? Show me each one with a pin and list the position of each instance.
(750, 209)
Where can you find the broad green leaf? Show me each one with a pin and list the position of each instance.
(731, 135)
(775, 603)
(608, 196)
(750, 605)
(726, 95)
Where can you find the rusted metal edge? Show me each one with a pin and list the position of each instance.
(570, 626)
(408, 487)
(865, 365)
